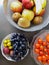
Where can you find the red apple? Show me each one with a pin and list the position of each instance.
(28, 3)
(16, 6)
(6, 50)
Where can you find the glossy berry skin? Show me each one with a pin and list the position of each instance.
(37, 46)
(48, 61)
(40, 41)
(47, 46)
(44, 58)
(37, 51)
(19, 46)
(45, 50)
(41, 53)
(44, 43)
(47, 56)
(39, 58)
(41, 48)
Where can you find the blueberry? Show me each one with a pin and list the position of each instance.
(14, 45)
(13, 35)
(16, 42)
(24, 43)
(24, 52)
(23, 39)
(23, 46)
(18, 58)
(21, 54)
(15, 48)
(20, 49)
(20, 42)
(14, 55)
(18, 34)
(13, 40)
(17, 38)
(15, 52)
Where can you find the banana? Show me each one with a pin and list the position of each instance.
(38, 6)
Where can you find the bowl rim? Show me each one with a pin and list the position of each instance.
(5, 56)
(31, 29)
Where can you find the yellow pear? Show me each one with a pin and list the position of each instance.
(28, 14)
(23, 22)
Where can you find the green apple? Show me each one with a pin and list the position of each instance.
(28, 14)
(43, 3)
(38, 6)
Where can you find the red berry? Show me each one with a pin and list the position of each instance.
(40, 41)
(41, 53)
(48, 46)
(47, 57)
(39, 58)
(37, 45)
(37, 51)
(48, 51)
(44, 58)
(48, 61)
(44, 43)
(41, 48)
(45, 50)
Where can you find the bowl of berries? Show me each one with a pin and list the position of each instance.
(40, 48)
(15, 47)
(26, 15)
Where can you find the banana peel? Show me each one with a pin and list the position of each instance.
(43, 2)
(38, 6)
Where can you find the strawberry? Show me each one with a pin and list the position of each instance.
(27, 3)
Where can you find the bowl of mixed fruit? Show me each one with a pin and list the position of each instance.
(15, 47)
(40, 48)
(27, 15)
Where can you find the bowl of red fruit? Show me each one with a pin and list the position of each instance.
(40, 48)
(26, 15)
(15, 47)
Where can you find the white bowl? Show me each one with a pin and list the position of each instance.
(7, 12)
(42, 34)
(7, 56)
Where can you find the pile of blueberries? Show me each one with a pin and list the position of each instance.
(19, 43)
